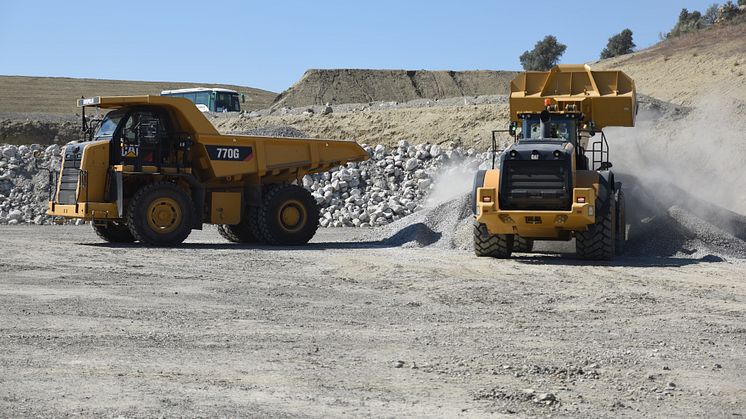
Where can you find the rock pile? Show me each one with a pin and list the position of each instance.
(390, 185)
(24, 182)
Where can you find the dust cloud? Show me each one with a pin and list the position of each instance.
(454, 181)
(700, 151)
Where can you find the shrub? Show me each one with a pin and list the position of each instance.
(544, 56)
(619, 44)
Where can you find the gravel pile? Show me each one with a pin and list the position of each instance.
(24, 182)
(446, 225)
(391, 185)
(278, 131)
(667, 221)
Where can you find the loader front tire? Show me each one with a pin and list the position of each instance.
(113, 232)
(492, 245)
(288, 216)
(599, 241)
(160, 214)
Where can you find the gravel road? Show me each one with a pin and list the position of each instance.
(350, 328)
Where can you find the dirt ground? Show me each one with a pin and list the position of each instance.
(350, 328)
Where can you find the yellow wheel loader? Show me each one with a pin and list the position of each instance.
(555, 182)
(154, 168)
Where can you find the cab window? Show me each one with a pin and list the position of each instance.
(109, 125)
(147, 126)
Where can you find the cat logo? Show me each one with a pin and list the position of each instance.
(129, 151)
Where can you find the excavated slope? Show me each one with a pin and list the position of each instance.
(318, 87)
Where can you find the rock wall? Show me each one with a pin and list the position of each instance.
(34, 131)
(318, 87)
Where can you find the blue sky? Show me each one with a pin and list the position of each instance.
(269, 44)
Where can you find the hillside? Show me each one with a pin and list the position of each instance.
(681, 69)
(318, 87)
(56, 95)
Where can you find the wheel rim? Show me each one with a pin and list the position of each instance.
(164, 215)
(292, 216)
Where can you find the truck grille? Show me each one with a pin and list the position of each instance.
(536, 185)
(69, 177)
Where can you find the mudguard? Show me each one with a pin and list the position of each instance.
(478, 183)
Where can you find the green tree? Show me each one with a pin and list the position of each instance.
(688, 22)
(619, 44)
(545, 55)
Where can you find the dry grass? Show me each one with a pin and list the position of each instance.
(57, 95)
(684, 68)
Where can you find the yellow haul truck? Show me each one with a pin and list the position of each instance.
(551, 184)
(154, 168)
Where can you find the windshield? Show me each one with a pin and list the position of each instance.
(109, 124)
(561, 129)
(227, 102)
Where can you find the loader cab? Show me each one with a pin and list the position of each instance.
(139, 135)
(558, 127)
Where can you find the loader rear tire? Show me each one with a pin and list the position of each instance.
(621, 223)
(599, 241)
(288, 216)
(492, 245)
(114, 232)
(160, 214)
(522, 244)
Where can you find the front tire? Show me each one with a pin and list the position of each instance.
(160, 214)
(522, 244)
(492, 245)
(288, 216)
(599, 241)
(114, 232)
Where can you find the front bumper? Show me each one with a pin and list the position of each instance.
(86, 211)
(536, 224)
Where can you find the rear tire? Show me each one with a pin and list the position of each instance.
(114, 232)
(492, 245)
(288, 216)
(160, 214)
(243, 232)
(522, 244)
(599, 241)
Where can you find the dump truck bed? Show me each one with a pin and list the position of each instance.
(276, 157)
